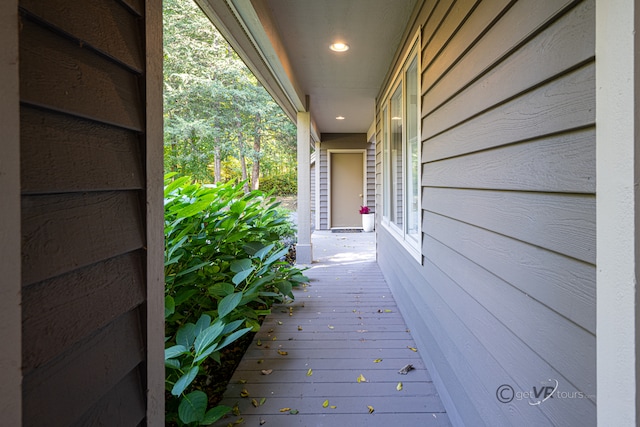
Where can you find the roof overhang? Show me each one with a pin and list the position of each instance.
(285, 43)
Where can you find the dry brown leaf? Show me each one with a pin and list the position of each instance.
(282, 353)
(266, 371)
(254, 403)
(299, 327)
(244, 393)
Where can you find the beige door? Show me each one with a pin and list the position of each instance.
(346, 189)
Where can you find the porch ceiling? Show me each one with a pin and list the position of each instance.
(286, 44)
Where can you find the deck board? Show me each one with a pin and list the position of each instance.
(344, 324)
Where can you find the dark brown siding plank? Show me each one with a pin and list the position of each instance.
(61, 311)
(114, 30)
(76, 155)
(124, 405)
(136, 6)
(62, 392)
(65, 232)
(56, 73)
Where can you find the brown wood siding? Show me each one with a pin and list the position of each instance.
(506, 290)
(83, 212)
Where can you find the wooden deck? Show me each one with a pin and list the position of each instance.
(310, 353)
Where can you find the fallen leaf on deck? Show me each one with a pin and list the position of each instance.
(294, 412)
(264, 399)
(244, 393)
(412, 348)
(262, 421)
(333, 406)
(309, 372)
(260, 361)
(285, 409)
(405, 369)
(399, 386)
(266, 371)
(242, 381)
(279, 322)
(370, 409)
(330, 327)
(282, 353)
(236, 410)
(325, 403)
(377, 361)
(361, 379)
(254, 403)
(259, 343)
(299, 327)
(388, 311)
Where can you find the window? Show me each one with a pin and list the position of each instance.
(401, 155)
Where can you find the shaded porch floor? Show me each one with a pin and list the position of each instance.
(343, 326)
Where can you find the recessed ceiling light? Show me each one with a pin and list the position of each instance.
(339, 47)
(340, 118)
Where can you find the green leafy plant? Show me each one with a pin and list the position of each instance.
(224, 269)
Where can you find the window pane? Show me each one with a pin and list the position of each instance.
(396, 192)
(412, 152)
(386, 177)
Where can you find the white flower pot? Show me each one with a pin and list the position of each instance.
(368, 222)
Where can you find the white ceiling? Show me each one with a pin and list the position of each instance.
(298, 34)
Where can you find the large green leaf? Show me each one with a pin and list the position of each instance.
(239, 265)
(207, 336)
(264, 251)
(176, 350)
(186, 335)
(193, 407)
(169, 306)
(238, 278)
(184, 381)
(214, 414)
(231, 338)
(228, 303)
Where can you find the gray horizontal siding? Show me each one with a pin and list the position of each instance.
(506, 290)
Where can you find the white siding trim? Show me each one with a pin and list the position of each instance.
(304, 252)
(10, 254)
(618, 171)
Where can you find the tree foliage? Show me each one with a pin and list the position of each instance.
(215, 109)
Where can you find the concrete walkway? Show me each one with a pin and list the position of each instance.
(332, 356)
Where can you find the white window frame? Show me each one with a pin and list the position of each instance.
(408, 241)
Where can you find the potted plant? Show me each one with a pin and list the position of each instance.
(368, 219)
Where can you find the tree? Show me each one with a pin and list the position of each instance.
(214, 106)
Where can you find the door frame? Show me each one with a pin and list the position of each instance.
(362, 151)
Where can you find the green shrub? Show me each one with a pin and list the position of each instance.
(223, 270)
(280, 185)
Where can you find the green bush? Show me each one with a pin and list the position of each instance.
(223, 270)
(280, 185)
